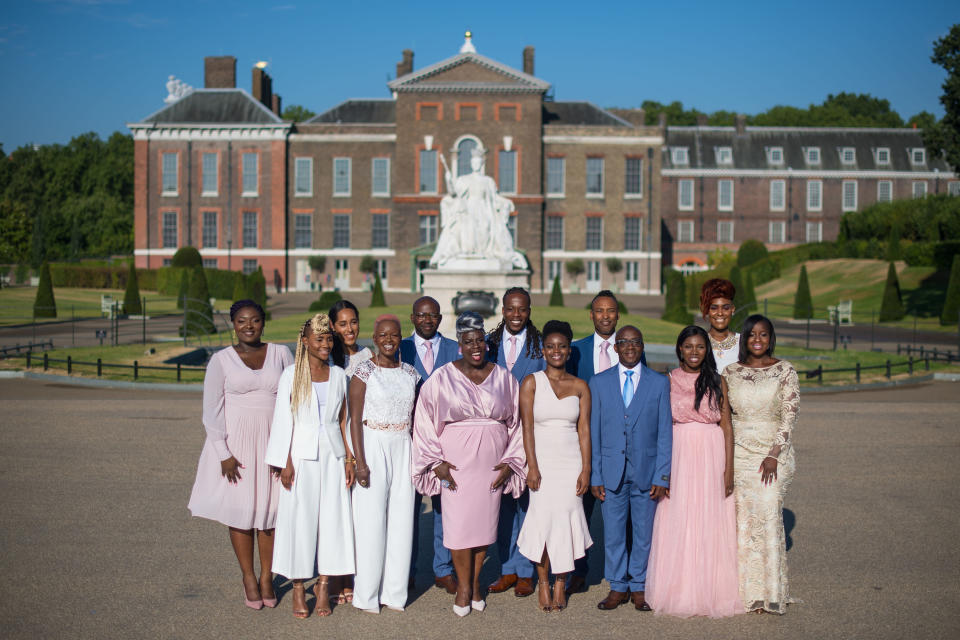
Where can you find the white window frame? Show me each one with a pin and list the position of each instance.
(679, 155)
(174, 172)
(555, 271)
(775, 155)
(843, 155)
(209, 263)
(681, 205)
(818, 206)
(373, 176)
(631, 271)
(297, 163)
(720, 204)
(548, 231)
(214, 173)
(244, 157)
(563, 177)
(297, 231)
(249, 266)
(812, 155)
(782, 205)
(385, 217)
(349, 164)
(724, 156)
(586, 234)
(333, 230)
(603, 169)
(850, 185)
(427, 226)
(436, 172)
(631, 220)
(685, 230)
(166, 216)
(636, 194)
(919, 189)
(777, 238)
(208, 214)
(256, 229)
(501, 154)
(815, 224)
(721, 237)
(882, 161)
(880, 184)
(918, 156)
(953, 188)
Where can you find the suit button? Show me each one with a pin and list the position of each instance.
(622, 451)
(624, 416)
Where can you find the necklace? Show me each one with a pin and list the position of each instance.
(726, 343)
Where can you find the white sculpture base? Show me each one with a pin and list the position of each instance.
(444, 285)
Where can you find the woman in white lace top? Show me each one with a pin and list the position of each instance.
(716, 305)
(382, 394)
(764, 398)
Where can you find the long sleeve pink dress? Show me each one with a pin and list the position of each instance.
(693, 557)
(238, 407)
(473, 427)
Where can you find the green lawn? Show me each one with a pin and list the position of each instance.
(16, 303)
(862, 281)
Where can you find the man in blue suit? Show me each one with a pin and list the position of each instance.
(516, 345)
(427, 351)
(588, 357)
(631, 433)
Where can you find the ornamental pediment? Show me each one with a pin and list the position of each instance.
(469, 72)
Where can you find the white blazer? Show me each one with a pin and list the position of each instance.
(305, 430)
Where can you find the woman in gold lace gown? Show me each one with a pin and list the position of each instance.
(764, 398)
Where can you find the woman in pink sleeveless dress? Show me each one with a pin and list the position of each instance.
(693, 556)
(234, 484)
(555, 411)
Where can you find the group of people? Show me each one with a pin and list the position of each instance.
(321, 460)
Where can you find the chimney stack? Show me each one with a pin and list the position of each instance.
(276, 105)
(262, 87)
(741, 121)
(701, 119)
(528, 60)
(405, 66)
(219, 72)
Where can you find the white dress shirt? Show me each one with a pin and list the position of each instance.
(421, 343)
(635, 378)
(521, 340)
(597, 340)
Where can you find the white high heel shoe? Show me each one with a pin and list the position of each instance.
(478, 605)
(461, 611)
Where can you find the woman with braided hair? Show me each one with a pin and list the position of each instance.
(234, 484)
(309, 449)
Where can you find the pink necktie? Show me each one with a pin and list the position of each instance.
(428, 357)
(512, 358)
(604, 357)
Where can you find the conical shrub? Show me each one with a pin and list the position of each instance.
(891, 308)
(184, 287)
(803, 301)
(199, 313)
(131, 297)
(951, 304)
(377, 299)
(44, 305)
(556, 294)
(258, 287)
(675, 309)
(240, 288)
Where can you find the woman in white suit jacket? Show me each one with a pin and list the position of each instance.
(309, 448)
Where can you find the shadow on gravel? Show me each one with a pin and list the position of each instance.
(789, 522)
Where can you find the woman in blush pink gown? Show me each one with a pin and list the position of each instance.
(468, 447)
(693, 557)
(234, 484)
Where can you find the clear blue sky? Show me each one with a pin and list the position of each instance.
(72, 66)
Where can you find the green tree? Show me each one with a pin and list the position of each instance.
(750, 252)
(893, 243)
(187, 257)
(574, 268)
(923, 120)
(556, 293)
(749, 299)
(297, 113)
(951, 304)
(368, 264)
(184, 289)
(198, 312)
(241, 289)
(131, 297)
(44, 305)
(943, 139)
(377, 299)
(614, 266)
(15, 229)
(803, 301)
(675, 309)
(257, 284)
(739, 285)
(891, 308)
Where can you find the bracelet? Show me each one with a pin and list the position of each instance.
(350, 460)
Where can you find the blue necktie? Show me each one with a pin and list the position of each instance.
(628, 388)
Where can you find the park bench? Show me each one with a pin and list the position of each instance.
(106, 305)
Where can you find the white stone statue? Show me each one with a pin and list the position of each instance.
(473, 219)
(176, 89)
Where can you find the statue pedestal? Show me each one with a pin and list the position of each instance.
(469, 274)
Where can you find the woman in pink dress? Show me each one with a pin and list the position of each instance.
(468, 447)
(234, 484)
(555, 411)
(693, 556)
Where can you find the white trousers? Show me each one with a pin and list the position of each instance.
(383, 520)
(314, 531)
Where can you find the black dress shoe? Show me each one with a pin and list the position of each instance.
(613, 600)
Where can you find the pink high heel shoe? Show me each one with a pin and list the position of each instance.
(255, 604)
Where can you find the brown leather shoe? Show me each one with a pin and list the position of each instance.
(503, 583)
(447, 582)
(613, 600)
(576, 584)
(524, 587)
(639, 602)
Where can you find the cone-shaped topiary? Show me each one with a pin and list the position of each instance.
(258, 287)
(803, 301)
(556, 294)
(184, 287)
(893, 243)
(739, 286)
(199, 314)
(44, 305)
(131, 297)
(187, 257)
(750, 252)
(377, 299)
(675, 309)
(240, 288)
(326, 300)
(891, 308)
(749, 293)
(951, 304)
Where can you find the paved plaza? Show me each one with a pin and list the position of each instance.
(98, 543)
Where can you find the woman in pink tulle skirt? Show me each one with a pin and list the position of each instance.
(693, 557)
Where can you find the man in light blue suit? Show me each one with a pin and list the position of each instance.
(588, 357)
(427, 351)
(516, 345)
(631, 433)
